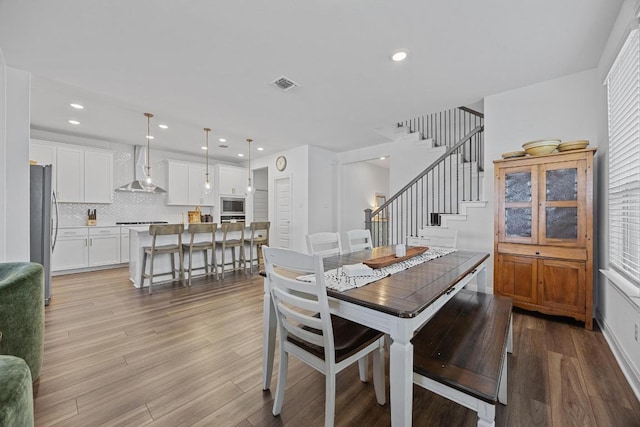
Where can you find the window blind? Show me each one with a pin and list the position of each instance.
(623, 87)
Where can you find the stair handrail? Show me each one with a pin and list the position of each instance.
(369, 213)
(472, 111)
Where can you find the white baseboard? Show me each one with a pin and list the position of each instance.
(630, 373)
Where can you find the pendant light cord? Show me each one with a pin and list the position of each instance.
(148, 116)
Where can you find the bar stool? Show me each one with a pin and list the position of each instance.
(202, 246)
(156, 230)
(259, 237)
(236, 241)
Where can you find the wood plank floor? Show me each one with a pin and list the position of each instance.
(192, 356)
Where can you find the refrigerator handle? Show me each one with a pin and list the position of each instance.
(55, 237)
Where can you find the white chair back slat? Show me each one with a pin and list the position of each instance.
(324, 244)
(359, 240)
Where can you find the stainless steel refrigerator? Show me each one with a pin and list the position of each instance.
(43, 228)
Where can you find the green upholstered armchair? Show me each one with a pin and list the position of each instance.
(22, 312)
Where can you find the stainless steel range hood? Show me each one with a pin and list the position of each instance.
(139, 184)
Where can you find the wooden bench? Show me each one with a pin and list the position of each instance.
(461, 353)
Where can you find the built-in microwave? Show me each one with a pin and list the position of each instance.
(232, 206)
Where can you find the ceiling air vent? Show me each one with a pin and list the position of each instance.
(285, 84)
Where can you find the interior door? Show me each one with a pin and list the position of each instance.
(283, 212)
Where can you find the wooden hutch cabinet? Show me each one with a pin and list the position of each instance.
(544, 233)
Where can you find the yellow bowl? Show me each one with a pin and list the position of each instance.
(538, 148)
(513, 154)
(573, 145)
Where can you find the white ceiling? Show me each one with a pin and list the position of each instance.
(208, 63)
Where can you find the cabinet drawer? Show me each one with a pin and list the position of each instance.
(543, 251)
(72, 232)
(104, 231)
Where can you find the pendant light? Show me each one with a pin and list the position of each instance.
(249, 187)
(207, 187)
(148, 179)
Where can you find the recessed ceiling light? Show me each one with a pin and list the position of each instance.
(163, 126)
(222, 140)
(399, 55)
(204, 148)
(77, 106)
(240, 155)
(74, 122)
(382, 158)
(260, 149)
(150, 137)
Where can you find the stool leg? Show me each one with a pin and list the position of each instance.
(250, 257)
(243, 258)
(173, 266)
(181, 256)
(190, 264)
(222, 267)
(214, 262)
(233, 259)
(144, 266)
(151, 272)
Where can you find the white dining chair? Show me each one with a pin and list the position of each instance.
(309, 332)
(324, 244)
(359, 240)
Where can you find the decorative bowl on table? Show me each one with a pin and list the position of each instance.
(540, 147)
(573, 145)
(513, 154)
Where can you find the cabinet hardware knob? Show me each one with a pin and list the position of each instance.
(537, 253)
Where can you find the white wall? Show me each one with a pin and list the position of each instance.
(14, 166)
(360, 182)
(297, 171)
(323, 169)
(3, 161)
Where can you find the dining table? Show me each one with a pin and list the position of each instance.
(399, 305)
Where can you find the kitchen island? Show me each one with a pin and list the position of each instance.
(139, 238)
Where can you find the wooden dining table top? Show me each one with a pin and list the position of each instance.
(407, 293)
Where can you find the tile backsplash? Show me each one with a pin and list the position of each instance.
(126, 207)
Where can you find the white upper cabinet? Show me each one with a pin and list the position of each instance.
(185, 184)
(70, 175)
(80, 175)
(177, 183)
(98, 177)
(44, 153)
(231, 180)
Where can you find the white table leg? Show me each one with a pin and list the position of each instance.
(481, 278)
(401, 376)
(268, 338)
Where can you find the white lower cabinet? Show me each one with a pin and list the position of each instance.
(82, 247)
(104, 246)
(71, 250)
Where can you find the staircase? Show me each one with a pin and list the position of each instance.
(447, 189)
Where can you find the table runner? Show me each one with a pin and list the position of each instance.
(337, 280)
